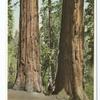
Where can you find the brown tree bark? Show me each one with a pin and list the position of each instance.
(70, 59)
(29, 71)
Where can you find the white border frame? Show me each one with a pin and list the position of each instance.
(3, 49)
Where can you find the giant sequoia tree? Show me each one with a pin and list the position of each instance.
(70, 59)
(28, 76)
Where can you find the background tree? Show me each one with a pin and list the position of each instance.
(49, 34)
(70, 59)
(29, 71)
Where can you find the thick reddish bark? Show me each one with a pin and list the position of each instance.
(70, 60)
(29, 71)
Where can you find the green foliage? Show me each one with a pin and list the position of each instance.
(10, 20)
(89, 89)
(89, 32)
(89, 48)
(11, 47)
(11, 63)
(49, 55)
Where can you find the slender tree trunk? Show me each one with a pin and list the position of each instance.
(52, 69)
(49, 23)
(29, 71)
(70, 59)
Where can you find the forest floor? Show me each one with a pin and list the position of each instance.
(22, 95)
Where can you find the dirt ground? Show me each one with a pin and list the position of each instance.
(22, 95)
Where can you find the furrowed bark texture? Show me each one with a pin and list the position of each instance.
(70, 59)
(29, 71)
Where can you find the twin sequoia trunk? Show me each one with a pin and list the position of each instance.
(70, 60)
(28, 76)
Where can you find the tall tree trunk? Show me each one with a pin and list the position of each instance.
(29, 71)
(70, 59)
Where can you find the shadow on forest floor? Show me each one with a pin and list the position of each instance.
(22, 95)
